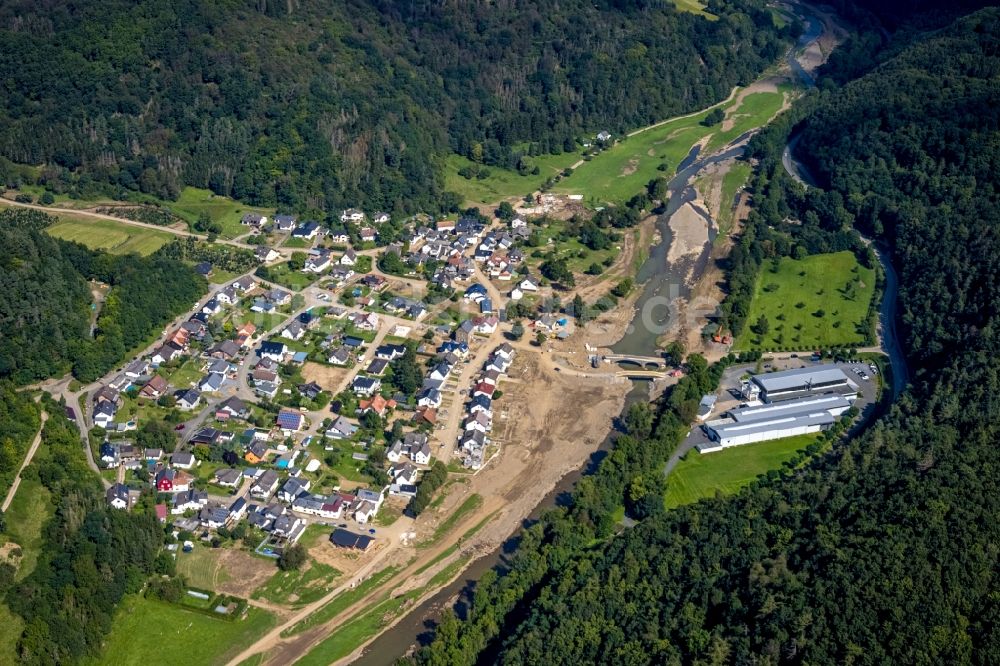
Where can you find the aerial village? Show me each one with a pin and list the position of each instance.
(411, 360)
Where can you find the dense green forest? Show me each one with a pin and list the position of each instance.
(317, 105)
(45, 301)
(90, 558)
(882, 550)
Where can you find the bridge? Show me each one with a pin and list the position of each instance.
(642, 374)
(642, 361)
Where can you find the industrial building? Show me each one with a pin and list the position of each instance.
(782, 404)
(799, 383)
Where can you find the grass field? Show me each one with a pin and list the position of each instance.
(578, 256)
(11, 626)
(348, 637)
(623, 170)
(298, 587)
(147, 631)
(227, 212)
(188, 373)
(694, 7)
(25, 517)
(735, 178)
(342, 601)
(113, 237)
(471, 503)
(820, 301)
(201, 568)
(700, 475)
(502, 183)
(284, 276)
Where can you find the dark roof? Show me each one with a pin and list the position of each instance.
(346, 539)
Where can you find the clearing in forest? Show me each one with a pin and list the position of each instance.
(820, 301)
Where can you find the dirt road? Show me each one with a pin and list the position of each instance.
(27, 461)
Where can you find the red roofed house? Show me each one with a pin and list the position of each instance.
(378, 404)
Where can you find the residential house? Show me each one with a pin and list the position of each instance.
(245, 284)
(306, 231)
(367, 235)
(253, 220)
(294, 331)
(172, 481)
(104, 414)
(256, 453)
(279, 296)
(154, 388)
(232, 408)
(289, 420)
(377, 404)
(265, 485)
(292, 488)
(341, 428)
(310, 390)
(317, 263)
(349, 258)
(228, 477)
(340, 356)
(380, 217)
(429, 397)
(188, 399)
(117, 496)
(527, 284)
(366, 386)
(188, 500)
(165, 354)
(377, 367)
(182, 460)
(389, 352)
(352, 215)
(366, 321)
(227, 349)
(284, 223)
(211, 382)
(265, 254)
(275, 351)
(137, 369)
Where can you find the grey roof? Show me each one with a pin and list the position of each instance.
(819, 417)
(788, 408)
(801, 378)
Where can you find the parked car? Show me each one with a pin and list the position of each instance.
(179, 426)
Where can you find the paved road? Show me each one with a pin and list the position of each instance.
(27, 460)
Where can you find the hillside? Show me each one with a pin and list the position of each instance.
(882, 550)
(45, 301)
(316, 105)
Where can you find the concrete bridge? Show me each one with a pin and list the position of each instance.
(642, 374)
(642, 361)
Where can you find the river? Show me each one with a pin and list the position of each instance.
(662, 283)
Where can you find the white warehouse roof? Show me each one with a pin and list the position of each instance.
(829, 402)
(801, 378)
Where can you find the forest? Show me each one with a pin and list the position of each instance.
(45, 301)
(309, 105)
(91, 557)
(881, 549)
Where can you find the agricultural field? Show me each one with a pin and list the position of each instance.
(147, 631)
(113, 237)
(701, 475)
(820, 301)
(194, 201)
(502, 183)
(624, 169)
